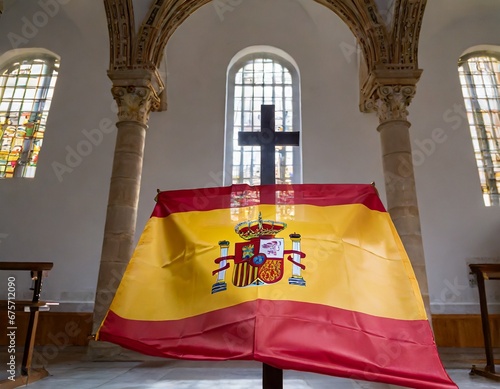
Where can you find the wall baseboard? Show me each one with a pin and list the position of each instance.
(464, 330)
(75, 328)
(58, 328)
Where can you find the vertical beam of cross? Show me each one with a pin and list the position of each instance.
(268, 139)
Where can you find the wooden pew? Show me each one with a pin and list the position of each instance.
(12, 304)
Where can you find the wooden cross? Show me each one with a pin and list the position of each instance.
(268, 139)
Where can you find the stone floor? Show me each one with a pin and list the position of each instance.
(70, 368)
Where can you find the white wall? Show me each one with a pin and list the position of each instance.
(457, 227)
(51, 218)
(61, 219)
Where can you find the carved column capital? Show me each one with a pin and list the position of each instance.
(391, 101)
(135, 102)
(389, 92)
(137, 93)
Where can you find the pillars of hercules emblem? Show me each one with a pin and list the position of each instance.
(136, 97)
(391, 103)
(221, 285)
(296, 278)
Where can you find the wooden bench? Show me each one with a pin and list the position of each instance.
(487, 271)
(34, 306)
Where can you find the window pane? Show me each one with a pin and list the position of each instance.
(256, 120)
(268, 92)
(258, 92)
(479, 77)
(11, 81)
(23, 114)
(236, 158)
(36, 69)
(237, 104)
(248, 91)
(247, 118)
(9, 92)
(19, 93)
(33, 81)
(27, 105)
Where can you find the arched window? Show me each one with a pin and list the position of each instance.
(261, 75)
(480, 79)
(26, 88)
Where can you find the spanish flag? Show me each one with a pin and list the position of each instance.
(305, 277)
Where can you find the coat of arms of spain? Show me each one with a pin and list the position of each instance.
(259, 260)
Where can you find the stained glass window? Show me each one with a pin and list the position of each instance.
(26, 89)
(262, 79)
(480, 79)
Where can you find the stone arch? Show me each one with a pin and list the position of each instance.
(384, 47)
(121, 27)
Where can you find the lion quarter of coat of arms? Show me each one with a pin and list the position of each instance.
(259, 259)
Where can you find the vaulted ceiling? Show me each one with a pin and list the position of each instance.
(387, 32)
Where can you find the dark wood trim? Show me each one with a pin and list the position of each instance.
(54, 328)
(464, 330)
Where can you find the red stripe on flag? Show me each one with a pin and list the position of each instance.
(207, 199)
(298, 336)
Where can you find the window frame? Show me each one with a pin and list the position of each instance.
(238, 62)
(489, 174)
(43, 92)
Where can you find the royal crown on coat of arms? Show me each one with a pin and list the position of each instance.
(258, 228)
(260, 259)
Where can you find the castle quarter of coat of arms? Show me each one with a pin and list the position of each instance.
(259, 259)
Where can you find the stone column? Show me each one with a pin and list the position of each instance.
(390, 104)
(136, 97)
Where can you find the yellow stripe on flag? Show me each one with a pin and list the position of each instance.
(354, 261)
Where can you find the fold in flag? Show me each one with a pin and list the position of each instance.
(304, 277)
